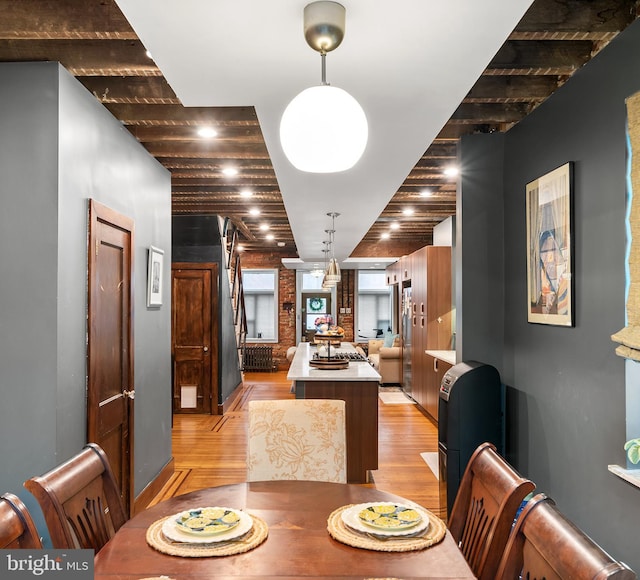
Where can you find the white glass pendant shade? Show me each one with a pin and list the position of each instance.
(323, 130)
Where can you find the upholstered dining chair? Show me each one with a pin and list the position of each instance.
(545, 544)
(482, 515)
(80, 500)
(297, 439)
(17, 529)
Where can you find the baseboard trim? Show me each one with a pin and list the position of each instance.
(228, 403)
(154, 487)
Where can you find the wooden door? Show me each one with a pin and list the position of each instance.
(110, 388)
(195, 370)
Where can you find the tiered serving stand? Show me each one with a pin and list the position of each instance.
(328, 363)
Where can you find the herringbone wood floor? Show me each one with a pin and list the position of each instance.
(210, 450)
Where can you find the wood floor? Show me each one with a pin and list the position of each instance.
(210, 450)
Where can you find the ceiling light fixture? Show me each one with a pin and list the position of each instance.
(332, 275)
(246, 193)
(451, 171)
(207, 132)
(326, 285)
(254, 211)
(324, 129)
(230, 171)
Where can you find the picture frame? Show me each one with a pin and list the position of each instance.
(550, 287)
(154, 277)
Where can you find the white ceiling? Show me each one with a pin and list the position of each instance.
(408, 62)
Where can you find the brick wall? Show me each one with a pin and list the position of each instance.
(287, 293)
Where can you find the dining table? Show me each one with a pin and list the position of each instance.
(297, 529)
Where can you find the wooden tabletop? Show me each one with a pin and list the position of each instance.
(298, 544)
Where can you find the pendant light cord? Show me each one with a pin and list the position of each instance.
(323, 60)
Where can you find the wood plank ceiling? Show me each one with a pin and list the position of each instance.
(95, 43)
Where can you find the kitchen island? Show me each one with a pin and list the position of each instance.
(357, 386)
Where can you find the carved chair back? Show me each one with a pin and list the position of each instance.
(17, 529)
(482, 515)
(80, 500)
(545, 544)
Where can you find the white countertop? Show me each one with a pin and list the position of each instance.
(445, 355)
(356, 371)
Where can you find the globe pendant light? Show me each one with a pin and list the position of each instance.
(324, 129)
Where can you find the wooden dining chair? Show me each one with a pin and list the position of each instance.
(297, 439)
(482, 515)
(80, 500)
(545, 544)
(17, 529)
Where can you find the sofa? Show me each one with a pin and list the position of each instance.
(387, 360)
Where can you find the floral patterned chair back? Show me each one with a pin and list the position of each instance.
(297, 439)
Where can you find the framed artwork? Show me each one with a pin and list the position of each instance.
(154, 277)
(549, 204)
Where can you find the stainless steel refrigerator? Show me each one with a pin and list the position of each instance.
(406, 339)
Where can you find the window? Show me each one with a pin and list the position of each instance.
(373, 314)
(260, 299)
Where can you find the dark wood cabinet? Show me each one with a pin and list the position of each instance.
(435, 369)
(393, 273)
(429, 272)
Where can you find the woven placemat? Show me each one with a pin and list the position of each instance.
(340, 531)
(253, 538)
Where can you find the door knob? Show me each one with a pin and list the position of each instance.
(205, 348)
(130, 394)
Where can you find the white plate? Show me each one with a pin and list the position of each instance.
(351, 518)
(171, 530)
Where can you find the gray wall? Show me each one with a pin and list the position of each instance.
(566, 387)
(60, 148)
(479, 232)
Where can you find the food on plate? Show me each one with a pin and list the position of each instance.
(206, 521)
(390, 516)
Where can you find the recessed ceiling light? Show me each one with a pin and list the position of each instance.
(385, 236)
(451, 171)
(269, 237)
(246, 193)
(230, 171)
(254, 211)
(207, 132)
(148, 53)
(426, 193)
(394, 226)
(408, 211)
(240, 248)
(264, 227)
(281, 244)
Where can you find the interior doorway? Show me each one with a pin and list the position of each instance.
(110, 390)
(194, 345)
